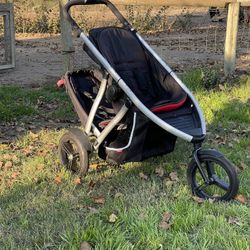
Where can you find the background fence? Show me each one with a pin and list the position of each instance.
(186, 38)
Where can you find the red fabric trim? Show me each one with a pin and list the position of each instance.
(169, 107)
(61, 83)
(104, 123)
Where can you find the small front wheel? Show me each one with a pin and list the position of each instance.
(216, 179)
(74, 151)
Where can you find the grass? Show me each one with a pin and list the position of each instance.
(43, 206)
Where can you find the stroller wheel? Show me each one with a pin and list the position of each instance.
(74, 149)
(220, 182)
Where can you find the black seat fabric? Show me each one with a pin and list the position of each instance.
(144, 75)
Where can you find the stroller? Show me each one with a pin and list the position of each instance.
(135, 107)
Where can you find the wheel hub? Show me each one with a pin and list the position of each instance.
(70, 157)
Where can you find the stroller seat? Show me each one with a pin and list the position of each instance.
(146, 78)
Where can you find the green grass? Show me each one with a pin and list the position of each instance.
(39, 212)
(17, 102)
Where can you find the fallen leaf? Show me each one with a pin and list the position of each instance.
(113, 218)
(210, 200)
(160, 171)
(165, 223)
(167, 217)
(27, 151)
(77, 181)
(33, 135)
(173, 176)
(85, 246)
(14, 158)
(242, 166)
(7, 157)
(169, 183)
(93, 210)
(93, 166)
(99, 200)
(8, 165)
(242, 199)
(14, 175)
(221, 87)
(1, 164)
(58, 180)
(199, 200)
(143, 176)
(234, 221)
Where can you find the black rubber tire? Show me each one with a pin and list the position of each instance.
(207, 157)
(74, 149)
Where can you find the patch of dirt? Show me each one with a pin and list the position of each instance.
(39, 57)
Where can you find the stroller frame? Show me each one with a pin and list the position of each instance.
(89, 125)
(199, 156)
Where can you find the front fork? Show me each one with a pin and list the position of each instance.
(197, 148)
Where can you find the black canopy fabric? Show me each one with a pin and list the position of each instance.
(149, 81)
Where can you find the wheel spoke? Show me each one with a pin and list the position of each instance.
(210, 169)
(76, 156)
(220, 183)
(70, 164)
(199, 188)
(67, 149)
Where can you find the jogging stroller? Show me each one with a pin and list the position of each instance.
(135, 107)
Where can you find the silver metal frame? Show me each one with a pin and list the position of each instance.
(154, 118)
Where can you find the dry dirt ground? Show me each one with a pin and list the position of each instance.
(39, 59)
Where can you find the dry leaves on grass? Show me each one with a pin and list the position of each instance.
(174, 176)
(85, 246)
(166, 221)
(113, 218)
(77, 181)
(99, 200)
(234, 221)
(14, 175)
(198, 200)
(8, 165)
(242, 166)
(143, 176)
(168, 183)
(240, 198)
(160, 171)
(57, 180)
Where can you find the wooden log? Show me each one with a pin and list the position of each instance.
(231, 38)
(7, 11)
(180, 3)
(7, 38)
(66, 38)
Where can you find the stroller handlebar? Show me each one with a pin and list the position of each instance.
(72, 3)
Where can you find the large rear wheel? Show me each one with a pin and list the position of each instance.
(216, 178)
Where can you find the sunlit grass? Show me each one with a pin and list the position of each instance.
(42, 206)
